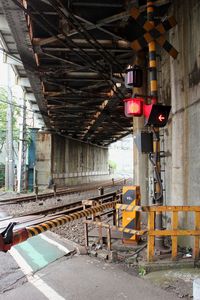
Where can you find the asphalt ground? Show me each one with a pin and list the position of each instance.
(43, 268)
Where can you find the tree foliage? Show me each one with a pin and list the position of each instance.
(3, 118)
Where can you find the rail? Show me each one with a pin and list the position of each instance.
(10, 237)
(74, 205)
(61, 192)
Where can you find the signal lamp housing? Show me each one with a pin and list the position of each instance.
(134, 77)
(133, 107)
(156, 114)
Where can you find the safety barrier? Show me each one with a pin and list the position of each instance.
(130, 219)
(9, 238)
(174, 232)
(110, 228)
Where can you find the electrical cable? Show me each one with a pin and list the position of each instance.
(17, 105)
(158, 178)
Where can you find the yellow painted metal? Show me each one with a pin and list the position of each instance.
(128, 207)
(152, 64)
(152, 46)
(169, 208)
(151, 239)
(174, 238)
(149, 26)
(121, 229)
(197, 238)
(136, 45)
(130, 219)
(175, 232)
(154, 85)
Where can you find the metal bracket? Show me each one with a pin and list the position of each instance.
(6, 237)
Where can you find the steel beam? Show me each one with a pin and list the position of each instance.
(22, 81)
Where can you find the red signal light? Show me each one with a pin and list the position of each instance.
(156, 114)
(133, 107)
(161, 118)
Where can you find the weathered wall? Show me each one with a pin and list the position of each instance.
(43, 159)
(180, 84)
(69, 162)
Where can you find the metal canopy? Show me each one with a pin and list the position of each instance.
(75, 54)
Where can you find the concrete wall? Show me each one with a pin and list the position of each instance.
(69, 162)
(180, 85)
(43, 158)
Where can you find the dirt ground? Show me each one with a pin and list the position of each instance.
(179, 281)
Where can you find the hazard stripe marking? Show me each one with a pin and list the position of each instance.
(153, 33)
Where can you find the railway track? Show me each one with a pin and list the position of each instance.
(60, 192)
(40, 216)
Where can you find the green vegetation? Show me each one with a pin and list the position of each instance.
(3, 127)
(112, 166)
(3, 118)
(142, 271)
(2, 175)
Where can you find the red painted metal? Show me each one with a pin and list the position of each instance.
(4, 247)
(20, 236)
(133, 107)
(147, 109)
(17, 237)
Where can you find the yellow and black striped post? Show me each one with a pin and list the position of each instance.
(154, 94)
(130, 219)
(158, 191)
(152, 53)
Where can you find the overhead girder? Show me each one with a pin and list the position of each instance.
(81, 52)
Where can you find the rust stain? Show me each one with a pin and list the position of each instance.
(194, 76)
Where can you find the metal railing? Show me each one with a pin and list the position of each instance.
(174, 232)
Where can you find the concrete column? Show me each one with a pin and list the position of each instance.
(180, 125)
(182, 109)
(140, 161)
(140, 165)
(43, 158)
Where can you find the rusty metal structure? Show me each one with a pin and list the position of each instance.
(75, 54)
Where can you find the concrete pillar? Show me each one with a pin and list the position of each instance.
(140, 165)
(43, 158)
(140, 161)
(180, 101)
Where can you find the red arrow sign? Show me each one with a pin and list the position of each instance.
(161, 118)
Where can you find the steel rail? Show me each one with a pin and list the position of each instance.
(70, 206)
(60, 192)
(53, 212)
